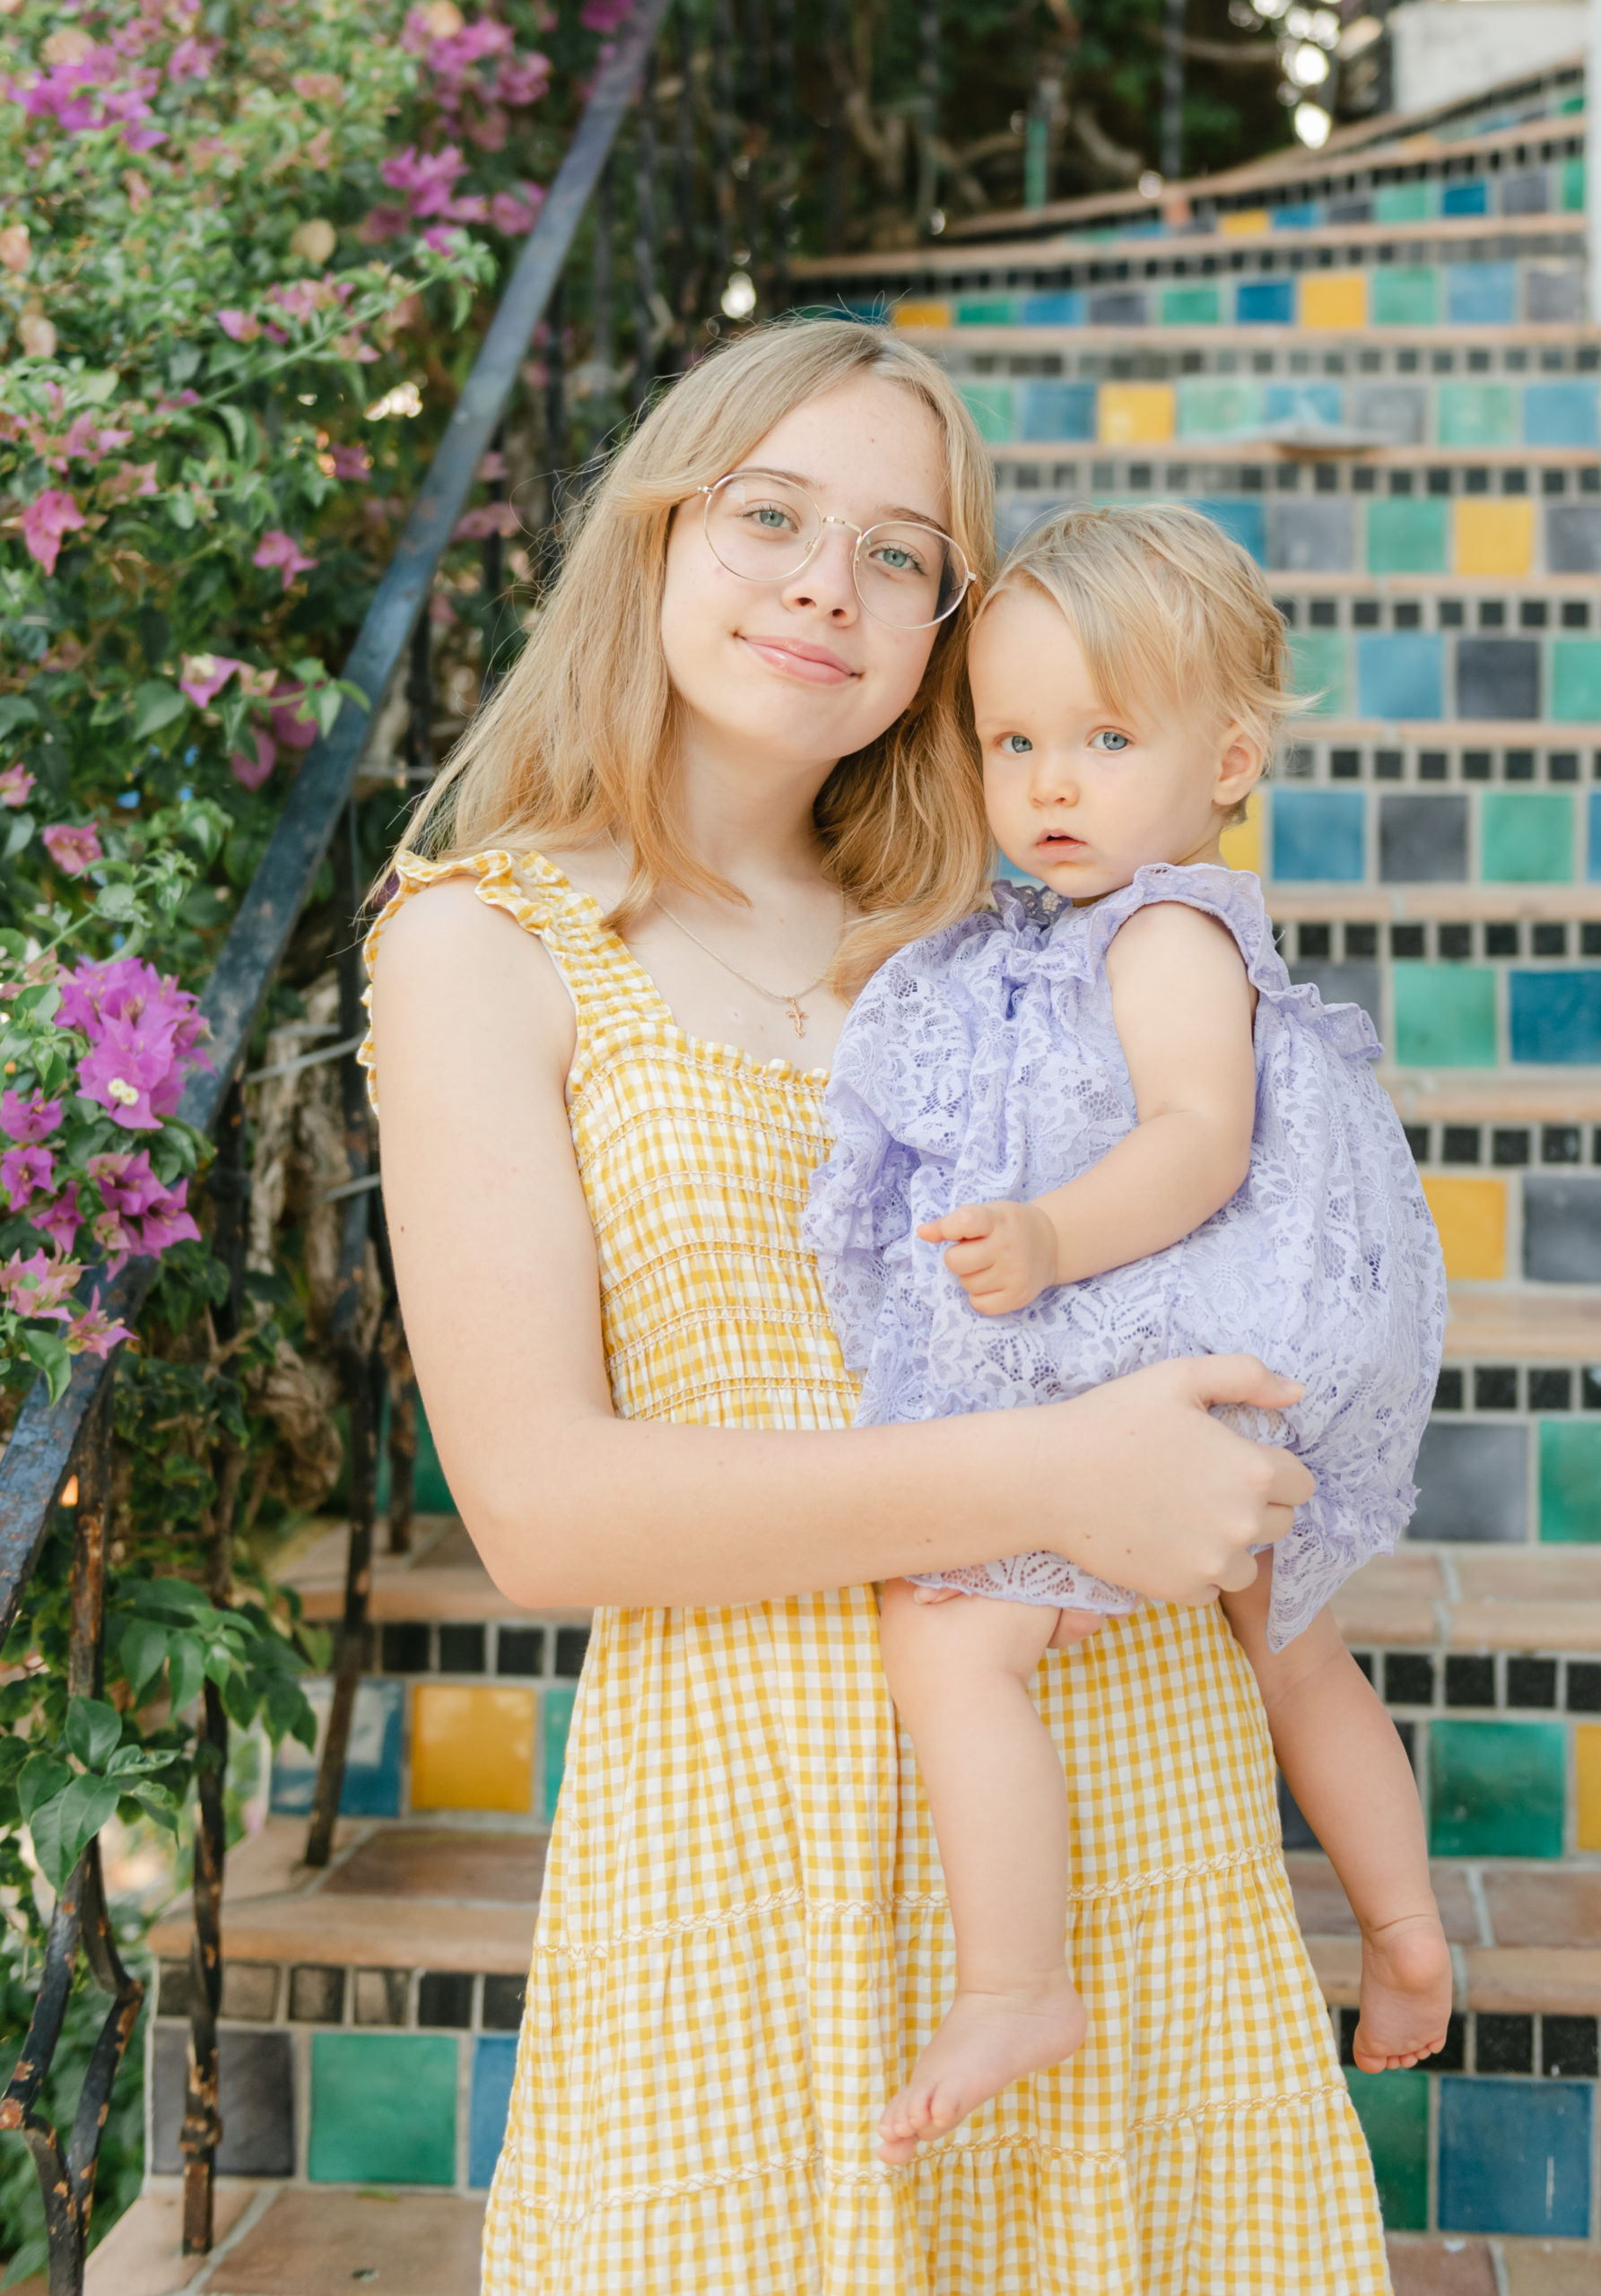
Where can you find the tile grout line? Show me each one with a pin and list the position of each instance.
(250, 2218)
(1473, 1881)
(1498, 2266)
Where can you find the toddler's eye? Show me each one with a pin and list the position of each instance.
(1109, 742)
(1016, 745)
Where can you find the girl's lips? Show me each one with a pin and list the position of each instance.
(813, 665)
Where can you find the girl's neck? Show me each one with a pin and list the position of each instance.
(751, 819)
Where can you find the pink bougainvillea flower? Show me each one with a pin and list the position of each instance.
(351, 462)
(143, 1032)
(192, 59)
(15, 782)
(126, 1180)
(46, 520)
(251, 770)
(277, 549)
(300, 298)
(605, 16)
(239, 324)
(489, 129)
(23, 1173)
(523, 80)
(35, 1286)
(115, 1243)
(73, 846)
(290, 729)
(426, 179)
(318, 87)
(167, 1223)
(205, 675)
(31, 1119)
(59, 1218)
(127, 480)
(514, 213)
(489, 518)
(93, 1333)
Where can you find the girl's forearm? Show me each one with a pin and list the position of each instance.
(1157, 1185)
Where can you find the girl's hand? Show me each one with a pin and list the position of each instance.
(1002, 1255)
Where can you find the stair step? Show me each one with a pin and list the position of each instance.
(272, 2241)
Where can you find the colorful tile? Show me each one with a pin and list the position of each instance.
(1445, 1018)
(472, 1747)
(1190, 307)
(1408, 534)
(1480, 294)
(1265, 302)
(1211, 408)
(1315, 534)
(1593, 818)
(1573, 537)
(1556, 1017)
(1526, 836)
(1471, 1216)
(557, 1722)
(1477, 414)
(1587, 1765)
(1135, 414)
(1464, 199)
(1497, 677)
(372, 1759)
(494, 2066)
(1402, 203)
(1561, 1228)
(1317, 835)
(1241, 517)
(1561, 414)
(1400, 673)
(255, 2094)
(1472, 1484)
(1319, 663)
(1570, 185)
(1344, 984)
(994, 311)
(1515, 2156)
(1570, 1481)
(1553, 293)
(1494, 538)
(1065, 308)
(1422, 840)
(383, 2108)
(1576, 681)
(990, 405)
(1393, 2109)
(1496, 1789)
(1404, 294)
(1120, 306)
(1315, 404)
(1048, 409)
(1245, 222)
(1332, 299)
(1394, 412)
(921, 315)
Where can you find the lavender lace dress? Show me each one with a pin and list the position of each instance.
(982, 1063)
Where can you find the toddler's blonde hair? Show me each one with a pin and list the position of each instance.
(1163, 603)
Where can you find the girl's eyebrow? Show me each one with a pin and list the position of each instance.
(814, 486)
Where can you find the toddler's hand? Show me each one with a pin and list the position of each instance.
(1002, 1255)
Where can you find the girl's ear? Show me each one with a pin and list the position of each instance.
(1238, 768)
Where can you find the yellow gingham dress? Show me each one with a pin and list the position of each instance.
(744, 1940)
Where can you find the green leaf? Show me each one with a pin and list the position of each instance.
(143, 1652)
(43, 1777)
(18, 834)
(185, 1671)
(161, 1805)
(136, 1762)
(238, 428)
(97, 389)
(63, 1829)
(178, 1599)
(48, 1354)
(14, 711)
(156, 703)
(93, 1731)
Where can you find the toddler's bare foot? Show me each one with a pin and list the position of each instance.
(988, 2041)
(1405, 1994)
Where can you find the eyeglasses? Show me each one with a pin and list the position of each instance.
(766, 529)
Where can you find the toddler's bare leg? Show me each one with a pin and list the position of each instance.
(1349, 1773)
(959, 1672)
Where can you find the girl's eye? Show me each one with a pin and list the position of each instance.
(770, 517)
(1016, 745)
(1109, 742)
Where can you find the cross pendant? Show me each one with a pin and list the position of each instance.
(798, 1019)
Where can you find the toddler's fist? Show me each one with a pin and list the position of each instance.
(1002, 1255)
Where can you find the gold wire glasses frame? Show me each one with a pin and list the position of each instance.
(900, 568)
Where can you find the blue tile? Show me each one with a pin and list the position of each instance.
(1311, 402)
(1318, 835)
(1560, 414)
(1066, 308)
(1555, 1016)
(1120, 306)
(1561, 1228)
(1497, 677)
(1472, 1484)
(1399, 673)
(372, 1764)
(1593, 866)
(1244, 520)
(1464, 199)
(1515, 2157)
(494, 2063)
(1265, 302)
(1305, 217)
(1055, 410)
(555, 1718)
(1481, 294)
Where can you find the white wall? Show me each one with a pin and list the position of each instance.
(1444, 50)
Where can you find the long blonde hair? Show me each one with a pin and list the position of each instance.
(579, 741)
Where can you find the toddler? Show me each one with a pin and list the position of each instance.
(1091, 1128)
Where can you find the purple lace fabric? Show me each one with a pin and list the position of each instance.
(982, 1063)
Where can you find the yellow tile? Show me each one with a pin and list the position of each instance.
(922, 315)
(1334, 299)
(1470, 1216)
(1244, 224)
(1135, 414)
(472, 1748)
(1587, 1750)
(1495, 537)
(1242, 844)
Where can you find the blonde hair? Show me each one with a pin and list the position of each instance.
(1161, 601)
(579, 741)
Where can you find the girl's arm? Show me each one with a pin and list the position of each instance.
(567, 1504)
(1183, 1008)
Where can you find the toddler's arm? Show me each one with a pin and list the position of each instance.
(1183, 1008)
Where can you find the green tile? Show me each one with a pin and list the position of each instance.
(1477, 414)
(1570, 1481)
(1402, 203)
(1526, 836)
(555, 1712)
(1497, 1790)
(1573, 192)
(1408, 534)
(1217, 409)
(1576, 680)
(383, 2108)
(996, 311)
(1393, 2109)
(1319, 660)
(1403, 294)
(1189, 307)
(1445, 1016)
(990, 406)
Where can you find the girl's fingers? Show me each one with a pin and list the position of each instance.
(967, 1222)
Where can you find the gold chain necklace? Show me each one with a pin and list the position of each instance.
(790, 1004)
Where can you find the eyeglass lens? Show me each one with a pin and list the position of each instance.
(765, 530)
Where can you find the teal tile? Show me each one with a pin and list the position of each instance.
(1526, 836)
(1445, 1016)
(1497, 1790)
(556, 1713)
(1576, 680)
(1477, 414)
(1393, 2109)
(1409, 533)
(1189, 307)
(990, 406)
(1210, 409)
(991, 311)
(383, 2108)
(1318, 662)
(1570, 1481)
(1402, 203)
(1570, 198)
(1403, 294)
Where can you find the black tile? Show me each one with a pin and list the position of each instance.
(1503, 2043)
(1455, 942)
(1448, 1389)
(1473, 1482)
(1562, 765)
(1531, 1682)
(1573, 540)
(1453, 2056)
(1550, 940)
(1501, 941)
(1364, 614)
(1460, 1144)
(503, 2004)
(1562, 1229)
(1509, 1145)
(1388, 765)
(572, 1642)
(381, 1997)
(1349, 2020)
(405, 1648)
(317, 1994)
(1476, 765)
(1495, 1387)
(1520, 765)
(1364, 1662)
(1298, 1833)
(461, 1650)
(520, 1650)
(1409, 941)
(176, 1994)
(1551, 1390)
(1417, 1140)
(1497, 677)
(1589, 939)
(1568, 2049)
(1584, 1686)
(1408, 1678)
(1452, 616)
(1589, 1388)
(1433, 765)
(255, 2096)
(1469, 1680)
(250, 1991)
(445, 1998)
(1561, 1143)
(1312, 941)
(1361, 941)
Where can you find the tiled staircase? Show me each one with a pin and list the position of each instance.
(1373, 366)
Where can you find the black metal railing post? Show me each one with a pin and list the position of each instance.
(645, 295)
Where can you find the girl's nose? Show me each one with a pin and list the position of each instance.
(827, 580)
